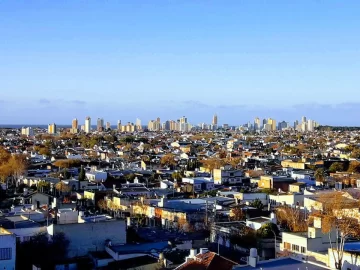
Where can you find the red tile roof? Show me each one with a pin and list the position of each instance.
(208, 261)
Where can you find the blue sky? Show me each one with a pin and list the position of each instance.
(128, 59)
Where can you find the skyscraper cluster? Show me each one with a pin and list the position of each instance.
(178, 125)
(270, 125)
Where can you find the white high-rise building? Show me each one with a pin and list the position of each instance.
(310, 125)
(257, 123)
(87, 124)
(27, 131)
(138, 124)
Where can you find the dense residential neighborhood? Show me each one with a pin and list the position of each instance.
(229, 198)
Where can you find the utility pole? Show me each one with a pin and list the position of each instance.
(206, 214)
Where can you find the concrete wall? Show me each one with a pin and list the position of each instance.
(87, 237)
(8, 240)
(43, 199)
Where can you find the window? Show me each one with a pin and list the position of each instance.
(5, 254)
(295, 248)
(287, 245)
(303, 250)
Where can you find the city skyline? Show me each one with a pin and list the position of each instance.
(182, 124)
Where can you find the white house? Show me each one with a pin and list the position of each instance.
(7, 249)
(200, 183)
(92, 236)
(96, 176)
(222, 176)
(164, 184)
(25, 234)
(256, 223)
(311, 243)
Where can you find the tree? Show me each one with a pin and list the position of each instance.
(130, 177)
(82, 176)
(45, 252)
(268, 230)
(257, 204)
(11, 166)
(320, 175)
(67, 163)
(176, 176)
(168, 160)
(354, 167)
(62, 187)
(336, 167)
(43, 186)
(355, 153)
(212, 163)
(339, 219)
(292, 219)
(237, 214)
(102, 204)
(45, 151)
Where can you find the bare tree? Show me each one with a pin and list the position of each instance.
(340, 218)
(292, 218)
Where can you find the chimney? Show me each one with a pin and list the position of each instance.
(193, 253)
(253, 258)
(161, 203)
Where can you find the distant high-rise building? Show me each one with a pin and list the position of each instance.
(303, 119)
(52, 128)
(183, 124)
(173, 125)
(264, 122)
(215, 120)
(167, 125)
(100, 124)
(282, 125)
(119, 125)
(183, 120)
(272, 123)
(27, 131)
(310, 125)
(74, 126)
(257, 123)
(87, 125)
(108, 125)
(303, 126)
(138, 124)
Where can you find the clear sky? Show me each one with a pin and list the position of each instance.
(126, 59)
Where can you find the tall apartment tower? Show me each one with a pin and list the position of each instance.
(303, 119)
(52, 128)
(257, 124)
(119, 125)
(272, 123)
(100, 124)
(27, 131)
(74, 126)
(215, 120)
(138, 124)
(108, 125)
(87, 128)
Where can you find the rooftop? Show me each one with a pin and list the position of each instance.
(260, 219)
(140, 248)
(208, 261)
(283, 264)
(4, 232)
